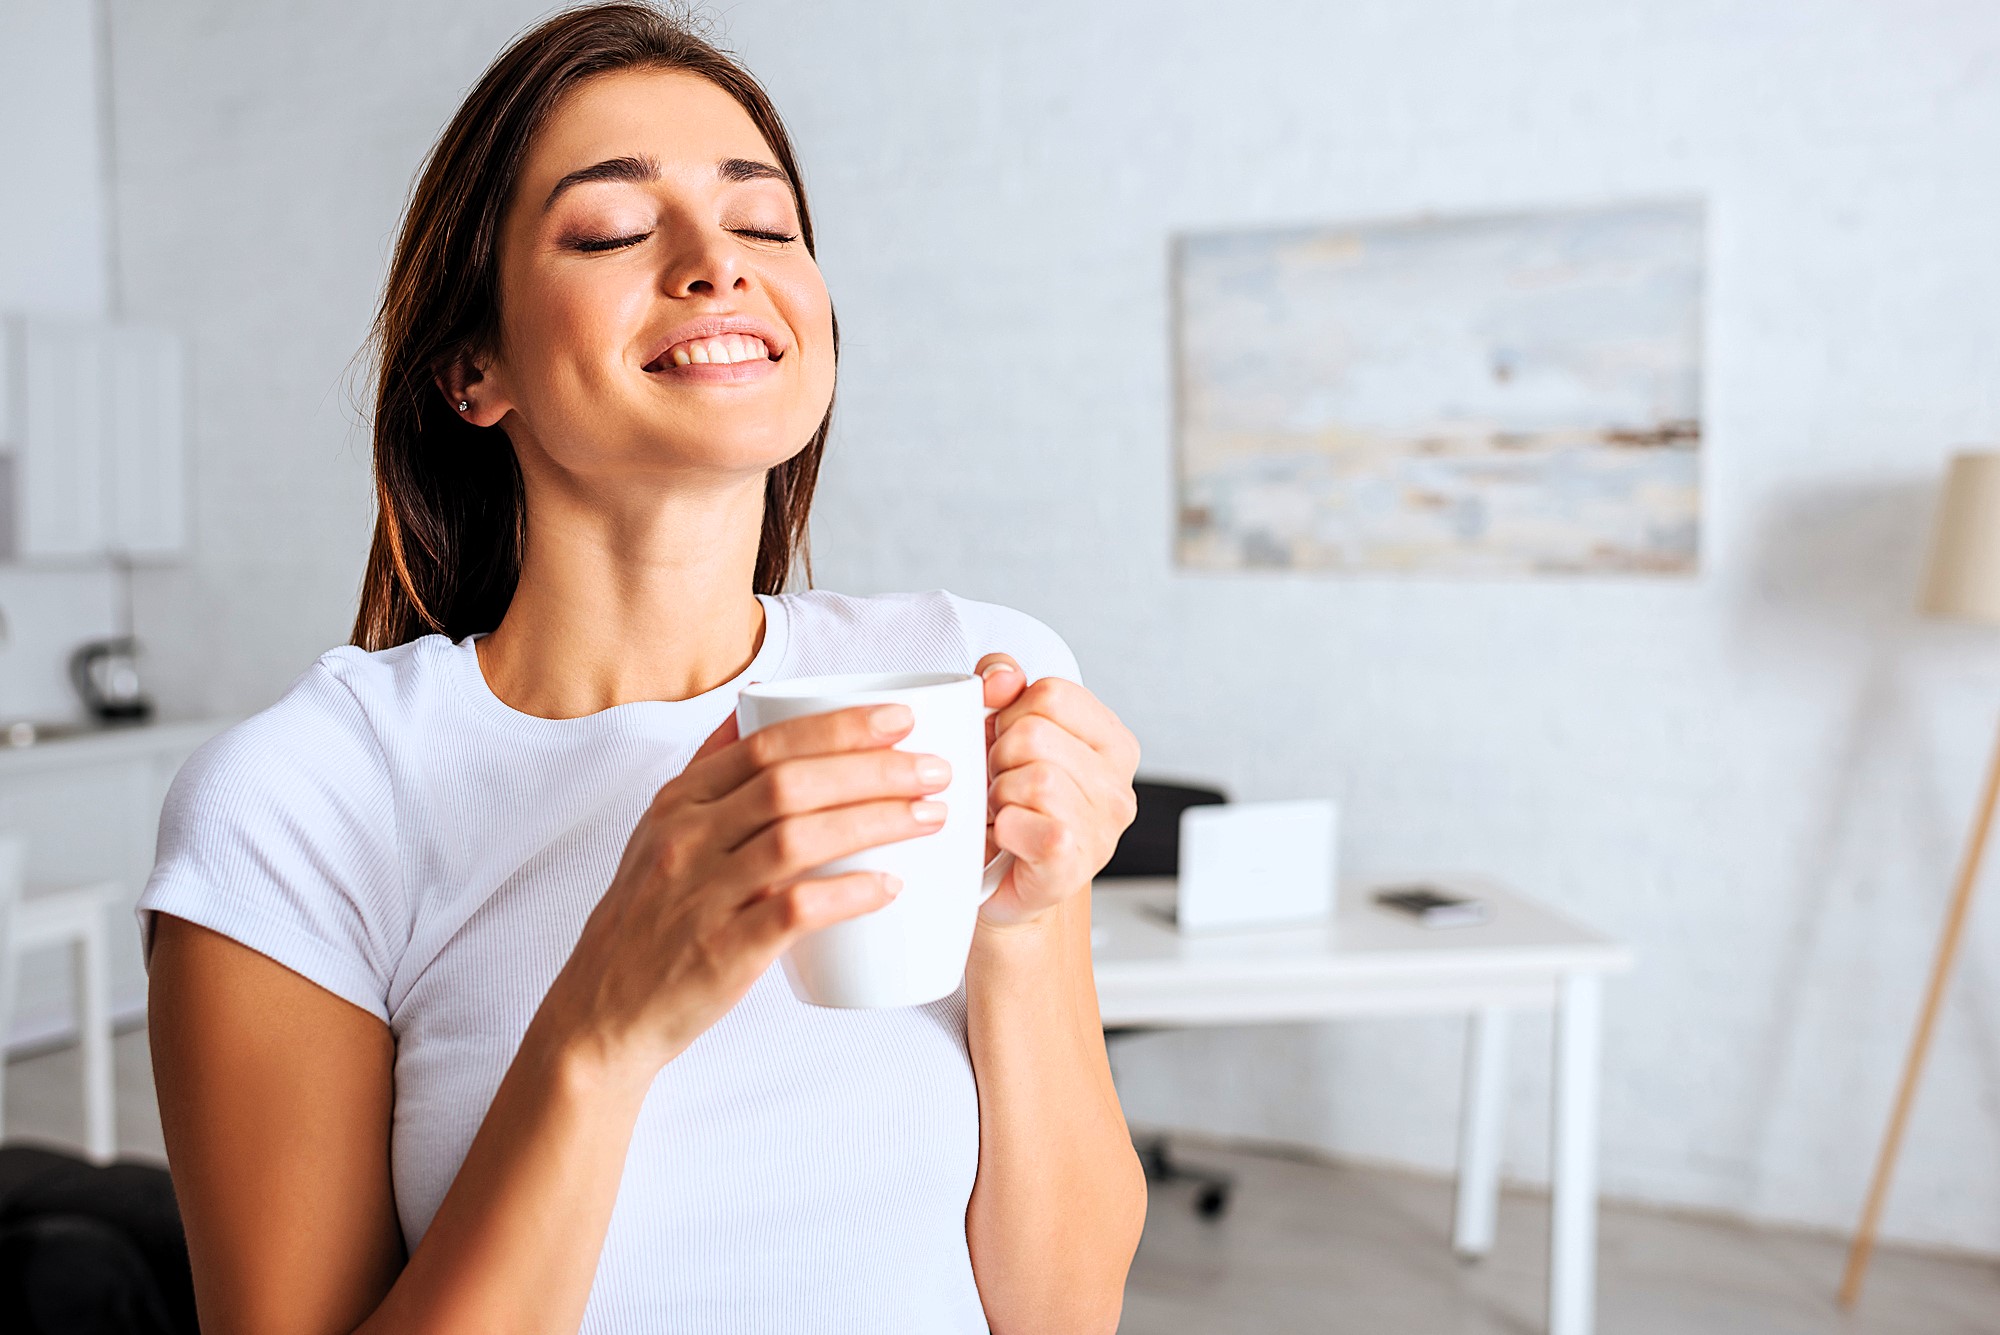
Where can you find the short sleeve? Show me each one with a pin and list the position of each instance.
(993, 629)
(280, 833)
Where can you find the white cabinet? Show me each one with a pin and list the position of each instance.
(58, 438)
(145, 474)
(92, 441)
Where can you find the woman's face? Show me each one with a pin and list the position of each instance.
(659, 314)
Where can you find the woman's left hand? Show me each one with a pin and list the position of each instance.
(1061, 767)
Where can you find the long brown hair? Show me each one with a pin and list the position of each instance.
(451, 520)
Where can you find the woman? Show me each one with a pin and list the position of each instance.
(464, 1013)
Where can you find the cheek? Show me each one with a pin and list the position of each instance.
(577, 325)
(597, 316)
(800, 295)
(802, 299)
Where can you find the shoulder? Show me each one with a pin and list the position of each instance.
(994, 628)
(282, 832)
(315, 764)
(302, 781)
(941, 624)
(324, 732)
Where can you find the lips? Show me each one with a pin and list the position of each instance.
(718, 341)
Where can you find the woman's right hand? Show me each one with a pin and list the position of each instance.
(712, 886)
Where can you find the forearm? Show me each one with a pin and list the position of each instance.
(1060, 1199)
(514, 1246)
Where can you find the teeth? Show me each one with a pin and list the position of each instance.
(721, 350)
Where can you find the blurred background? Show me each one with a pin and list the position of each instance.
(1758, 775)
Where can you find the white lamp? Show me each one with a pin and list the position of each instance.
(1963, 584)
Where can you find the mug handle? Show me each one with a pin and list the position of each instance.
(996, 870)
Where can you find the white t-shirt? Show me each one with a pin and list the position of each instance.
(396, 833)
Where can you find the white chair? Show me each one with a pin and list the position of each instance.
(72, 916)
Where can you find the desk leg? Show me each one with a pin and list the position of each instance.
(1482, 1108)
(1573, 1213)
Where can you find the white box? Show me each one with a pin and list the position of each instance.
(1256, 864)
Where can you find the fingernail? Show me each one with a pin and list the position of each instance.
(991, 668)
(933, 772)
(892, 884)
(888, 720)
(929, 813)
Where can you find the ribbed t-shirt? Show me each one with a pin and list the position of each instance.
(393, 831)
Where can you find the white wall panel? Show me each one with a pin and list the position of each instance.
(52, 252)
(53, 262)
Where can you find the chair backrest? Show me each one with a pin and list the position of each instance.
(13, 882)
(1151, 845)
(13, 868)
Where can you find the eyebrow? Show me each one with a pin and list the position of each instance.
(749, 169)
(643, 169)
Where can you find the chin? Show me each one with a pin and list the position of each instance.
(749, 452)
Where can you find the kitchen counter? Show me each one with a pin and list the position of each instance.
(109, 743)
(89, 804)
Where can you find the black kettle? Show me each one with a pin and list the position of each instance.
(106, 674)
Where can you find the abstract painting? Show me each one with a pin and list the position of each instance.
(1506, 395)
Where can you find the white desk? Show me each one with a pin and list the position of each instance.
(1376, 962)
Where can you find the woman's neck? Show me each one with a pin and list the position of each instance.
(649, 603)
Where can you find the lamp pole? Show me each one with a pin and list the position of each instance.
(1964, 583)
(1920, 1046)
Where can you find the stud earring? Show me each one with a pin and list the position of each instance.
(464, 405)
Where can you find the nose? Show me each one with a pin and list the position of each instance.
(708, 265)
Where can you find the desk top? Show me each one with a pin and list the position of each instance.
(1368, 959)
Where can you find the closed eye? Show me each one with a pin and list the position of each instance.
(779, 237)
(593, 244)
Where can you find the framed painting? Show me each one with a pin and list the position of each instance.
(1504, 395)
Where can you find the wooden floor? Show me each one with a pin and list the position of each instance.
(1307, 1246)
(1339, 1250)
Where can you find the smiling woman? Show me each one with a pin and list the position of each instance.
(464, 1006)
(584, 219)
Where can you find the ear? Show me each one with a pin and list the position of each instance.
(464, 380)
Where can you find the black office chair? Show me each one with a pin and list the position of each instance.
(1151, 846)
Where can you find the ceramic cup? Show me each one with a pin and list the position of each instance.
(913, 949)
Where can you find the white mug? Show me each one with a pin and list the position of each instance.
(913, 949)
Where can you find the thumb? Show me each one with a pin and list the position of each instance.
(725, 733)
(1003, 680)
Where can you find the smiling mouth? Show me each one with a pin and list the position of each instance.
(721, 350)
